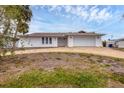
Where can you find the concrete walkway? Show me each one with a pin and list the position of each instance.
(91, 50)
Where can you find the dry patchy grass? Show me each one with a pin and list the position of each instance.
(28, 70)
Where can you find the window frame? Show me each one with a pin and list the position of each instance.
(47, 40)
(43, 40)
(50, 40)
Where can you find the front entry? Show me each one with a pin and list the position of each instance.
(62, 41)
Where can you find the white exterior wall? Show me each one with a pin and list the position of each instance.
(98, 41)
(120, 44)
(35, 42)
(70, 41)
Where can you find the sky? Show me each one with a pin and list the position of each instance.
(71, 18)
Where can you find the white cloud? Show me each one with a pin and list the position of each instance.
(87, 13)
(52, 8)
(94, 13)
(104, 14)
(100, 15)
(67, 8)
(92, 8)
(91, 14)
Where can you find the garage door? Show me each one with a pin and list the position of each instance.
(84, 41)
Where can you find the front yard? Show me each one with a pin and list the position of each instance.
(90, 50)
(61, 70)
(120, 49)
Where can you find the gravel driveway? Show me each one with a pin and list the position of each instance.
(92, 50)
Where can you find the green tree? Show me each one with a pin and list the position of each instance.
(21, 15)
(14, 19)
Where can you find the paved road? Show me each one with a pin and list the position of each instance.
(91, 50)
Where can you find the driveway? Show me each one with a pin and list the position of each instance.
(91, 50)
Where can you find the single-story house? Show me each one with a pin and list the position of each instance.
(111, 43)
(70, 39)
(117, 43)
(120, 43)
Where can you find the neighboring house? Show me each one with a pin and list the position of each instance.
(120, 43)
(117, 43)
(70, 39)
(111, 43)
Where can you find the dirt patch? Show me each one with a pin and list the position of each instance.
(115, 84)
(91, 50)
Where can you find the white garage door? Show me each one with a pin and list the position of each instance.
(84, 41)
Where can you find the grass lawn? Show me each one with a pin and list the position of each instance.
(58, 78)
(61, 70)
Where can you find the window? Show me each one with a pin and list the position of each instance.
(46, 40)
(42, 40)
(50, 40)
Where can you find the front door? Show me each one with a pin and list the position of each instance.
(62, 41)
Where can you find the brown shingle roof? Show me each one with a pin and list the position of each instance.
(62, 34)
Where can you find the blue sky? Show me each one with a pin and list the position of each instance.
(101, 19)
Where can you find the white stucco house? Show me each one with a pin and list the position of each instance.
(111, 43)
(120, 43)
(70, 39)
(117, 43)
